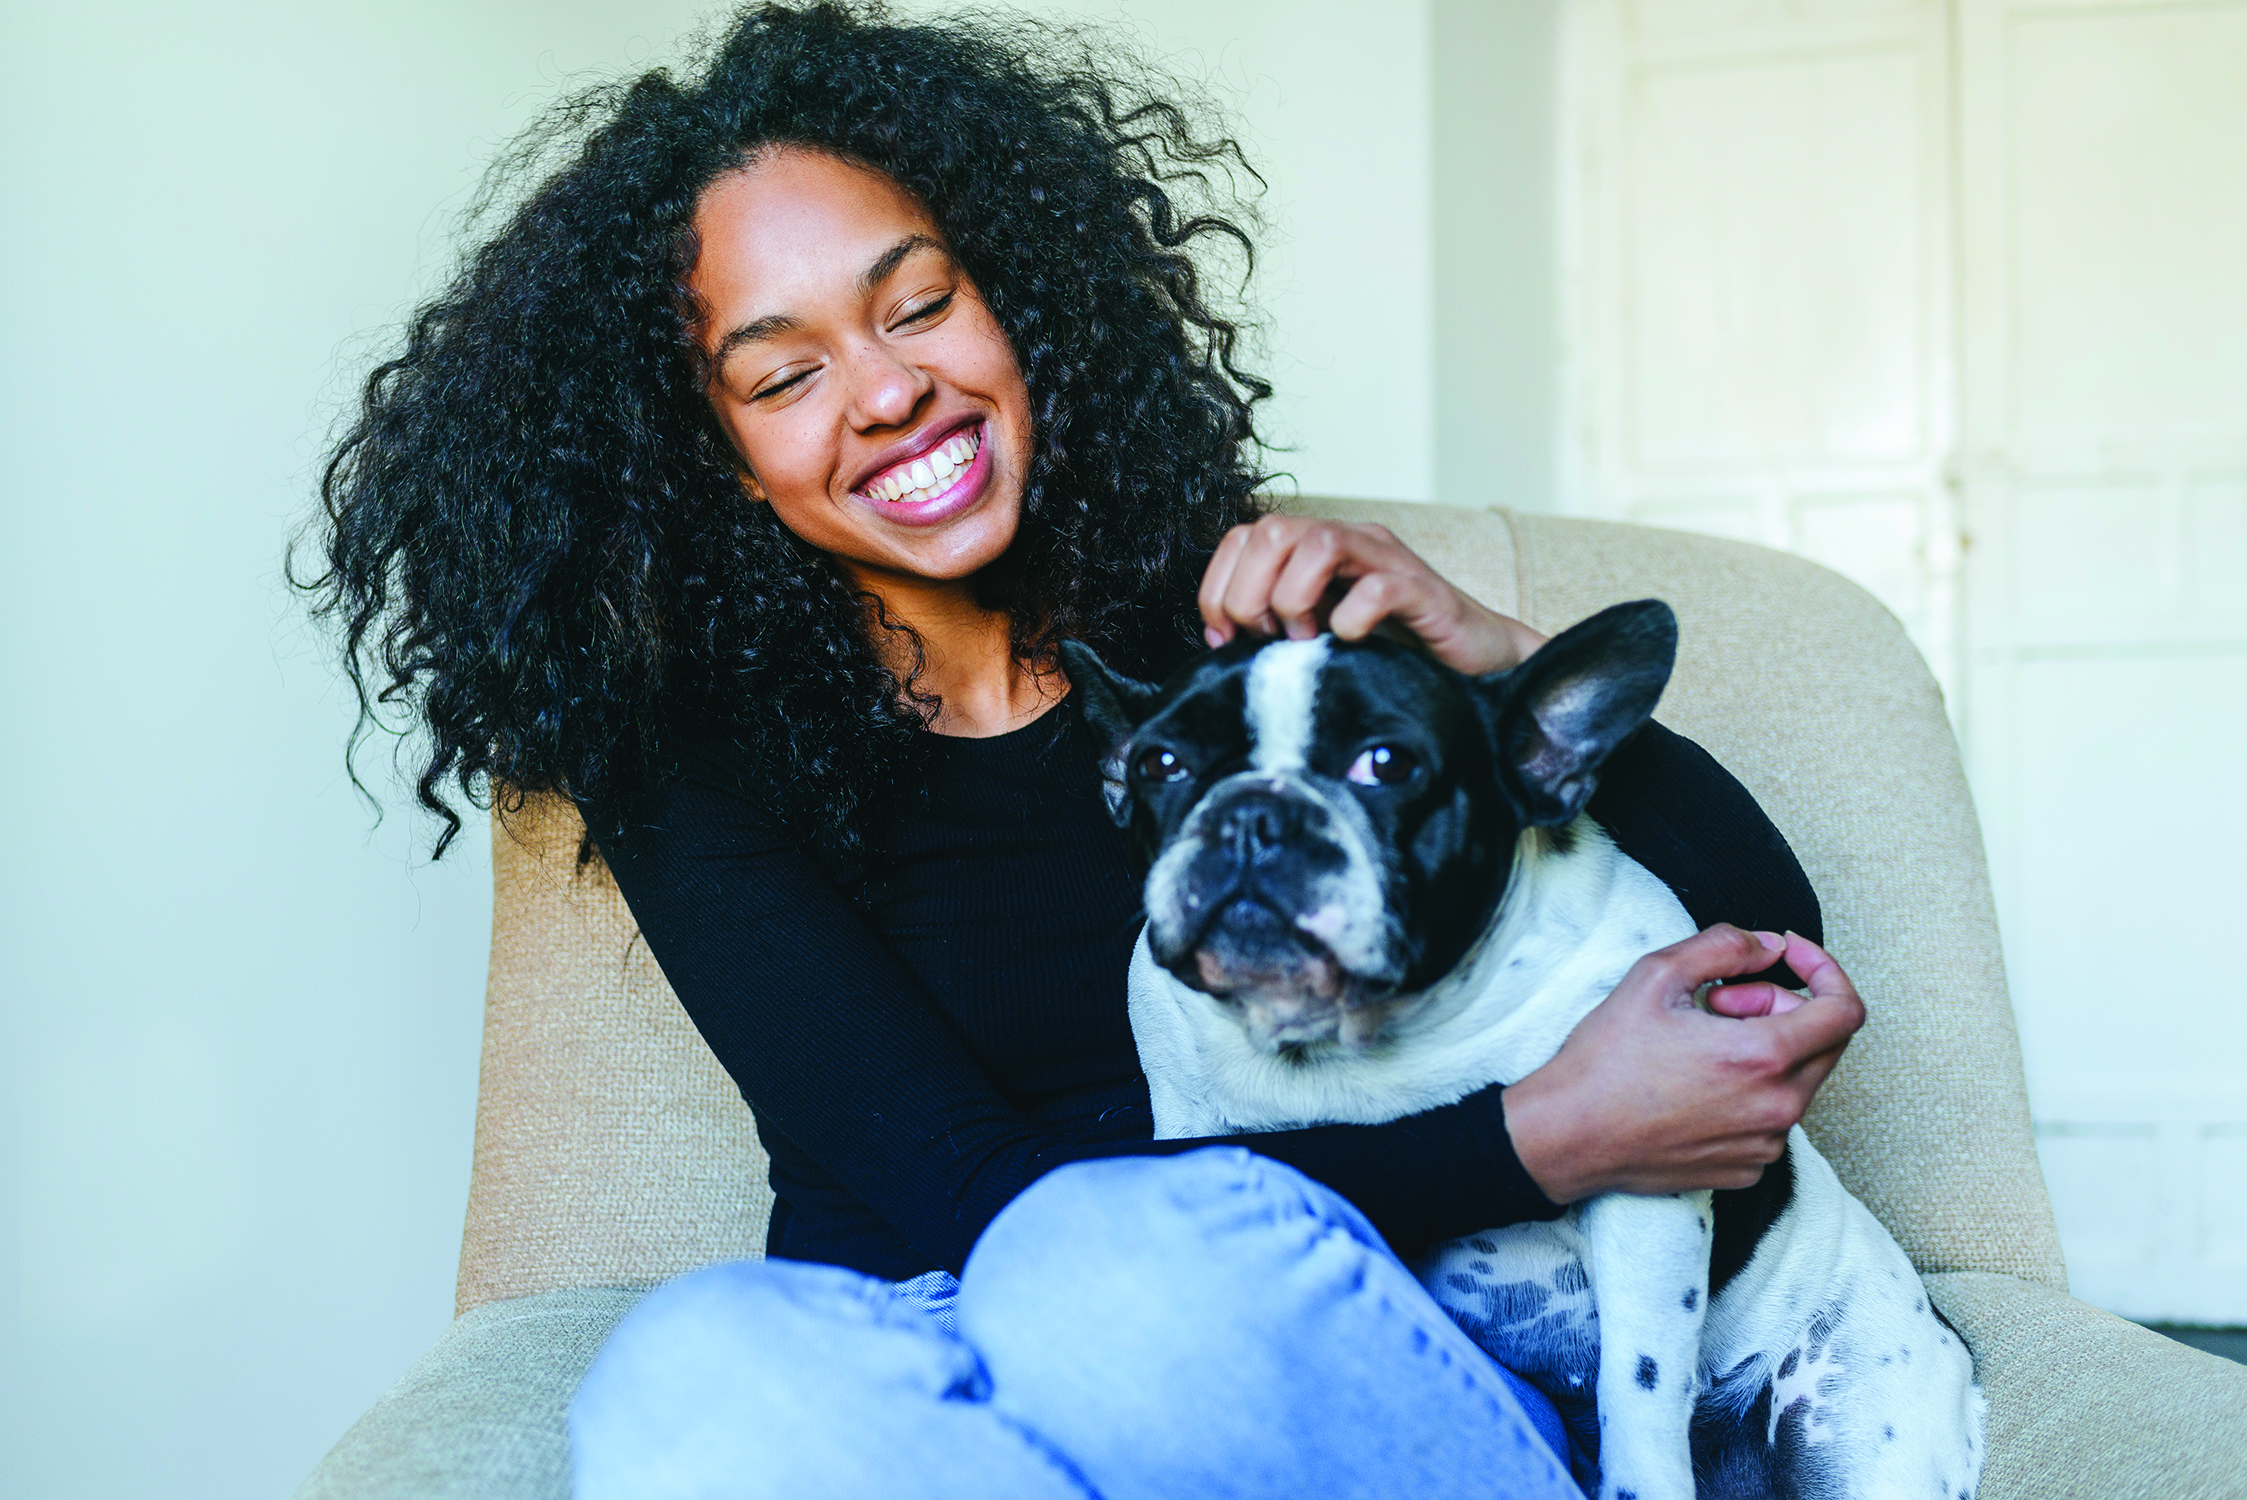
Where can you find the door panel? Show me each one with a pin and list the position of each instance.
(2127, 129)
(1813, 314)
(1758, 231)
(2103, 155)
(1953, 298)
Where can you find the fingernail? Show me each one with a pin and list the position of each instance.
(1772, 940)
(1210, 634)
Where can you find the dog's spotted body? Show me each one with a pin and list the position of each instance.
(1371, 893)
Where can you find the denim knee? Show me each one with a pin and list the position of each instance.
(1135, 1206)
(1218, 1323)
(1164, 1253)
(749, 1322)
(780, 1379)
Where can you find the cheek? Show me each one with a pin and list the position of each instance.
(985, 359)
(777, 449)
(1444, 839)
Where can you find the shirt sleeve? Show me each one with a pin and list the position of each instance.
(835, 1044)
(1669, 805)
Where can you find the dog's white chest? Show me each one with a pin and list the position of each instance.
(1821, 1365)
(1577, 915)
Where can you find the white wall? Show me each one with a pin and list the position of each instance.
(240, 1034)
(239, 1040)
(1410, 146)
(1492, 220)
(1944, 294)
(1333, 97)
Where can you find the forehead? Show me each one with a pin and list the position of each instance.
(1283, 696)
(793, 227)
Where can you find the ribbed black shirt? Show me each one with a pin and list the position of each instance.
(915, 1065)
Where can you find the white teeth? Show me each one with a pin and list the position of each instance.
(932, 471)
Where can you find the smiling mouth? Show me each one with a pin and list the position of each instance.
(928, 475)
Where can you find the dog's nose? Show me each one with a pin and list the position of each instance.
(1257, 821)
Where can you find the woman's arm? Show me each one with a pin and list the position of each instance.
(1650, 1094)
(1665, 800)
(835, 1045)
(1670, 806)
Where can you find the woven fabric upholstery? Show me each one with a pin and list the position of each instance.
(2084, 1406)
(480, 1416)
(612, 1151)
(610, 1147)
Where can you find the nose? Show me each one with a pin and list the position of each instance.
(885, 391)
(1257, 822)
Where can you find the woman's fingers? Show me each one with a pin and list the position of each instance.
(1310, 570)
(1279, 579)
(1719, 952)
(1296, 576)
(1247, 600)
(1217, 626)
(1741, 1001)
(1826, 1021)
(1651, 1095)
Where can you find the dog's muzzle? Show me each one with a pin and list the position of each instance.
(1262, 902)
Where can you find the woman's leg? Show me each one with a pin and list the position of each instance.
(776, 1378)
(1217, 1324)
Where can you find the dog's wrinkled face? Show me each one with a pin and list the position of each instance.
(1328, 825)
(1311, 830)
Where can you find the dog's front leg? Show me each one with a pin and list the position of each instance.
(1648, 1260)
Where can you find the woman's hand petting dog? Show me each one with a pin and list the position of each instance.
(1654, 1094)
(1294, 576)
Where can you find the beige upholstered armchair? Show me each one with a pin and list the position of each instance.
(611, 1151)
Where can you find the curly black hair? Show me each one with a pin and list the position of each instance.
(536, 541)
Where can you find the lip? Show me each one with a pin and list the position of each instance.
(966, 489)
(905, 450)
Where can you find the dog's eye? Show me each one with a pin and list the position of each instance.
(1383, 765)
(1161, 765)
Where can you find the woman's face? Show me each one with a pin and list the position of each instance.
(873, 396)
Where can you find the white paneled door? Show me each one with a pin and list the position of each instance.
(2103, 161)
(1953, 297)
(1757, 196)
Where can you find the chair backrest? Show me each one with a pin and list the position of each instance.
(610, 1147)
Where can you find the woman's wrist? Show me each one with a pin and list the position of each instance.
(1540, 1125)
(1492, 642)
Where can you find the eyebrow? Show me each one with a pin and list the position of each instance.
(759, 329)
(890, 259)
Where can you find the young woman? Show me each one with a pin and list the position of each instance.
(740, 488)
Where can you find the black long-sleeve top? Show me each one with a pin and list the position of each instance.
(915, 1063)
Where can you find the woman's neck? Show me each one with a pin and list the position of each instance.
(968, 658)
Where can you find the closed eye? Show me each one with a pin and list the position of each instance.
(927, 310)
(790, 383)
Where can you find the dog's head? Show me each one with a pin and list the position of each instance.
(1328, 825)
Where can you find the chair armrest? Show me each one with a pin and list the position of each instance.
(482, 1415)
(2083, 1404)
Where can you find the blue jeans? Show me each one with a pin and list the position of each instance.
(1140, 1328)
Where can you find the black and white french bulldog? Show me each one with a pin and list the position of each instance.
(1371, 892)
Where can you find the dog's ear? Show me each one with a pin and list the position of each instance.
(1114, 705)
(1555, 718)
